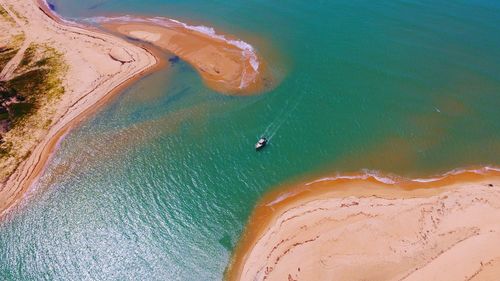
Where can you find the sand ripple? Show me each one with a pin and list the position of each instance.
(359, 229)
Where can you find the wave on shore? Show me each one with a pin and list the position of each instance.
(250, 63)
(295, 229)
(53, 13)
(104, 76)
(387, 179)
(393, 179)
(250, 73)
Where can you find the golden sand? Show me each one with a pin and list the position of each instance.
(224, 65)
(359, 228)
(100, 65)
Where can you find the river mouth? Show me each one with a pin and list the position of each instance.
(160, 183)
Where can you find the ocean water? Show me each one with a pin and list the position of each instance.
(159, 183)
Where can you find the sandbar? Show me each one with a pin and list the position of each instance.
(226, 64)
(364, 228)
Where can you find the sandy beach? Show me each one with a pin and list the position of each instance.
(99, 65)
(358, 227)
(226, 64)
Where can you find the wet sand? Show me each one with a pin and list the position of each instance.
(100, 65)
(362, 227)
(226, 64)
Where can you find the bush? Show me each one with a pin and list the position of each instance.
(4, 116)
(19, 110)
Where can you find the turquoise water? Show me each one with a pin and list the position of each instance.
(158, 184)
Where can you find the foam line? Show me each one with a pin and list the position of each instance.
(388, 179)
(247, 51)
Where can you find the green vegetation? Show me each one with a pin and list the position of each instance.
(4, 115)
(28, 56)
(42, 82)
(18, 39)
(8, 52)
(53, 60)
(5, 148)
(18, 15)
(20, 110)
(5, 15)
(3, 12)
(38, 82)
(29, 84)
(27, 100)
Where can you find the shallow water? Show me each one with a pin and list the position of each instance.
(158, 185)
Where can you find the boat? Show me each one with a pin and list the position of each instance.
(261, 143)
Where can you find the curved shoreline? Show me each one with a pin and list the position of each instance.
(225, 64)
(206, 63)
(280, 213)
(30, 169)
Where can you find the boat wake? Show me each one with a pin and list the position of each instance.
(282, 117)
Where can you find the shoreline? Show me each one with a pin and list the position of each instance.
(225, 63)
(27, 173)
(275, 209)
(29, 170)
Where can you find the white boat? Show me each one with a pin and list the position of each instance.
(261, 143)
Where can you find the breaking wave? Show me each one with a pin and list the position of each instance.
(392, 179)
(59, 17)
(386, 179)
(247, 51)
